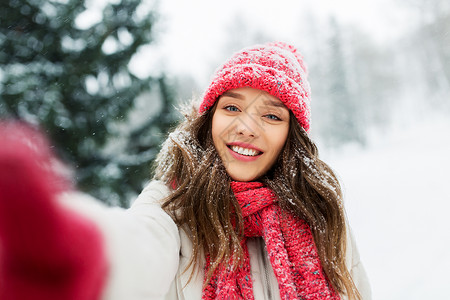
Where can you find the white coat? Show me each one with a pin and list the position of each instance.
(148, 253)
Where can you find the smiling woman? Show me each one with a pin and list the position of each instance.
(240, 207)
(249, 131)
(263, 213)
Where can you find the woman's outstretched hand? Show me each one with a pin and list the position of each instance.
(46, 251)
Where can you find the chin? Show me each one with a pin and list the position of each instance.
(244, 178)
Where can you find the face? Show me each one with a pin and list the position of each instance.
(249, 130)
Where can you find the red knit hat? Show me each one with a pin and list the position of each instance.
(276, 68)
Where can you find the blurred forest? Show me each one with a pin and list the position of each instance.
(360, 84)
(75, 81)
(75, 84)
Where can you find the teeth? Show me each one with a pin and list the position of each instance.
(244, 151)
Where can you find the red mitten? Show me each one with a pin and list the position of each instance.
(46, 251)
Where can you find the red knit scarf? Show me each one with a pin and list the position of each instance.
(290, 246)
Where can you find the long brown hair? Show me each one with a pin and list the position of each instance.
(203, 203)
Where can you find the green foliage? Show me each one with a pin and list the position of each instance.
(340, 111)
(81, 92)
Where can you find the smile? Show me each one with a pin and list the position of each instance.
(244, 151)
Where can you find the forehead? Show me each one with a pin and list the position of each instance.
(251, 95)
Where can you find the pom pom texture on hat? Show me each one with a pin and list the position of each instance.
(276, 68)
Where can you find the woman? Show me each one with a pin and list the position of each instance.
(241, 207)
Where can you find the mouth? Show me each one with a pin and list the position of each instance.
(244, 151)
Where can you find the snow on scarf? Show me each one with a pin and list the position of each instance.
(290, 246)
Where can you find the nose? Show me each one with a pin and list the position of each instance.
(247, 126)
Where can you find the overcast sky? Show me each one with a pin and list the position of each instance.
(193, 32)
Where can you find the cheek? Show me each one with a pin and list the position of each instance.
(279, 137)
(214, 129)
(278, 144)
(217, 130)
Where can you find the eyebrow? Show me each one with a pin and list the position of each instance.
(275, 103)
(233, 95)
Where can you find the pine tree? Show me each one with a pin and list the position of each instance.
(342, 109)
(75, 84)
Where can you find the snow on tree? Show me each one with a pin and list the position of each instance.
(75, 83)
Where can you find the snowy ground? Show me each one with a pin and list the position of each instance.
(398, 200)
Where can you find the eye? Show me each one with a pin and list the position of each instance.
(272, 117)
(231, 108)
